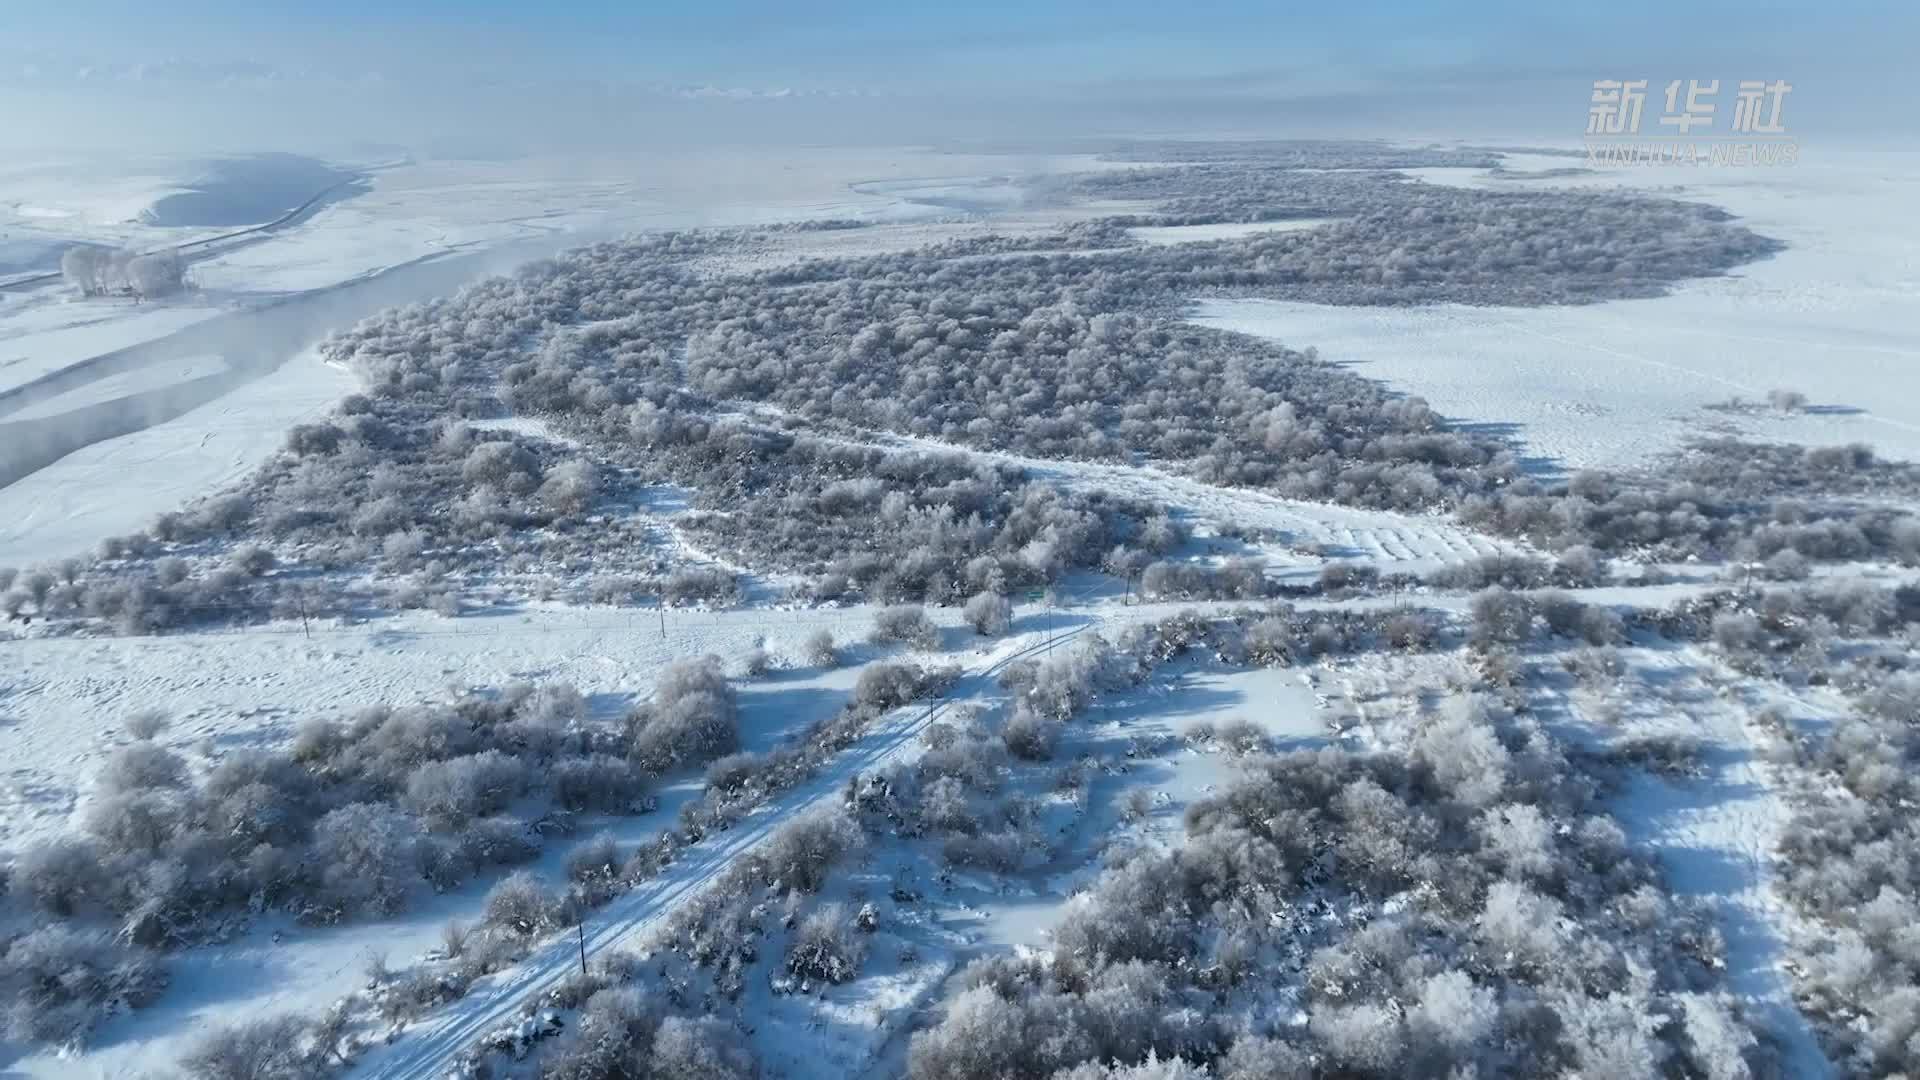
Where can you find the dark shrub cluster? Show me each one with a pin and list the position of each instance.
(59, 981)
(1485, 917)
(1724, 500)
(721, 928)
(692, 718)
(346, 821)
(623, 1033)
(904, 624)
(1237, 578)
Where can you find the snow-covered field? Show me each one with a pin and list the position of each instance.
(40, 340)
(119, 485)
(1233, 230)
(1617, 383)
(1611, 384)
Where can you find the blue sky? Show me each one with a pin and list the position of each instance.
(561, 71)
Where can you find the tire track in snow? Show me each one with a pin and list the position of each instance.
(1382, 535)
(1715, 838)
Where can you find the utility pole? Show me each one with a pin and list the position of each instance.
(1049, 622)
(304, 628)
(663, 619)
(581, 926)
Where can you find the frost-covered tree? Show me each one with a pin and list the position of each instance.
(368, 859)
(279, 1048)
(162, 273)
(84, 267)
(989, 613)
(826, 946)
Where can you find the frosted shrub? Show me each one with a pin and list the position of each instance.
(700, 1048)
(1365, 1037)
(692, 718)
(147, 724)
(1580, 566)
(1061, 686)
(521, 905)
(1410, 632)
(143, 765)
(735, 772)
(1738, 631)
(904, 624)
(997, 852)
(503, 465)
(448, 793)
(981, 1037)
(1236, 579)
(368, 860)
(888, 686)
(1610, 1037)
(251, 560)
(616, 1026)
(989, 613)
(1464, 755)
(59, 876)
(1520, 926)
(1152, 1069)
(1128, 917)
(800, 854)
(1787, 565)
(596, 782)
(135, 821)
(1500, 616)
(594, 859)
(280, 1048)
(826, 946)
(1029, 735)
(1453, 1014)
(1518, 838)
(1716, 1043)
(570, 487)
(1256, 1058)
(819, 649)
(756, 663)
(1789, 401)
(1491, 571)
(58, 982)
(944, 806)
(692, 585)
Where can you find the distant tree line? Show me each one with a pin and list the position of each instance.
(98, 271)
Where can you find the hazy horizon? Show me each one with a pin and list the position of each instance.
(497, 78)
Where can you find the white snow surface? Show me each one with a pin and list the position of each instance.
(1230, 230)
(118, 486)
(1617, 383)
(45, 337)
